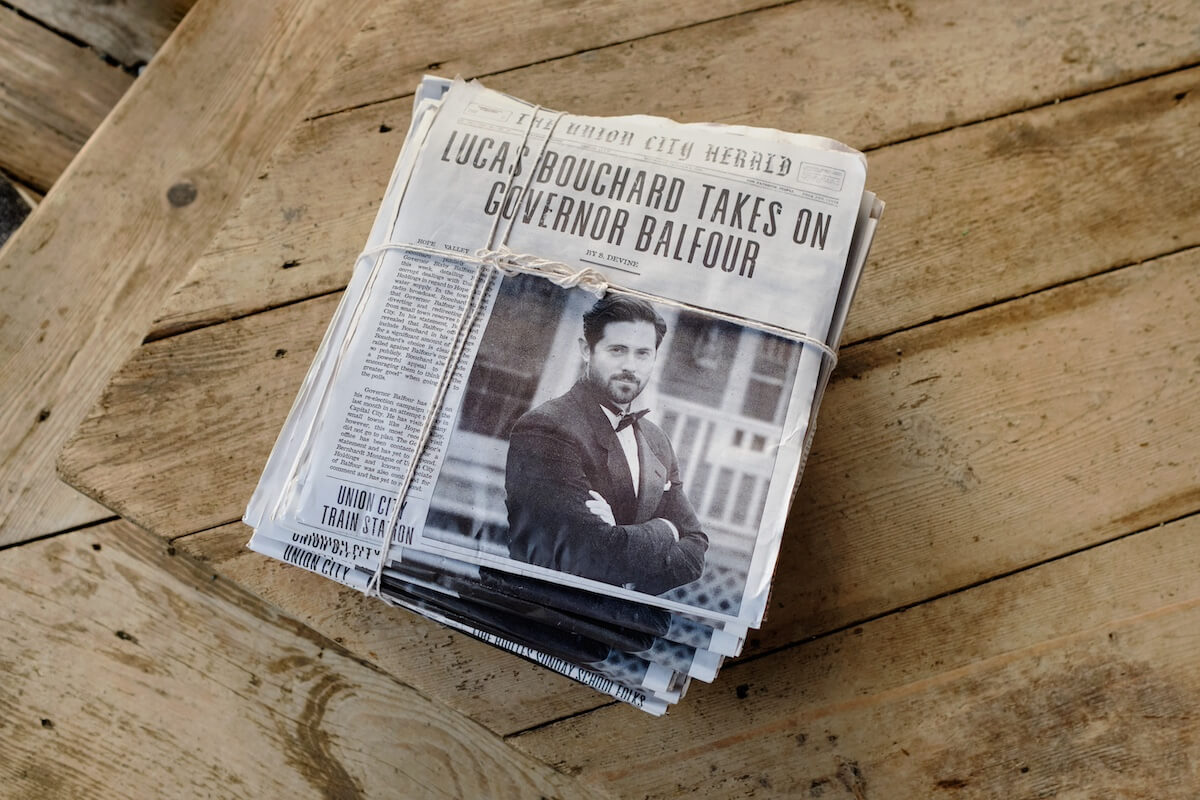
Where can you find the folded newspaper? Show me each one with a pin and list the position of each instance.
(567, 396)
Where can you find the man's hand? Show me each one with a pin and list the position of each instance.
(600, 508)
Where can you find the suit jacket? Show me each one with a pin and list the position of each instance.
(562, 449)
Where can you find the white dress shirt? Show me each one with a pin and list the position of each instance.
(628, 440)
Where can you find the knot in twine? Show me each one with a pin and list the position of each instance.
(509, 263)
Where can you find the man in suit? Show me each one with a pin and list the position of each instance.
(593, 488)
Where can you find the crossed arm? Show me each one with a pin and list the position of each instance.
(557, 520)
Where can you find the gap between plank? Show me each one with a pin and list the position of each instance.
(173, 539)
(1016, 297)
(915, 137)
(965, 588)
(152, 337)
(552, 59)
(30, 195)
(1056, 101)
(112, 61)
(80, 527)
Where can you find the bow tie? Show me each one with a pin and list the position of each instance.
(628, 419)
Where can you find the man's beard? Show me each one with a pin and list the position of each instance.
(621, 388)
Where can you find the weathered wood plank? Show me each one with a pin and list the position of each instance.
(962, 450)
(1074, 679)
(296, 231)
(498, 690)
(53, 94)
(968, 220)
(81, 287)
(401, 41)
(130, 31)
(1013, 205)
(219, 396)
(946, 454)
(129, 673)
(910, 68)
(872, 73)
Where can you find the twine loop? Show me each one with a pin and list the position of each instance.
(509, 263)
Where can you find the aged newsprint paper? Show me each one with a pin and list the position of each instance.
(577, 352)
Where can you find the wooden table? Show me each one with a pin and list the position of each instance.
(988, 587)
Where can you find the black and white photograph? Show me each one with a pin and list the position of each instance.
(616, 440)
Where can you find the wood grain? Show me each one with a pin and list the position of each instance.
(53, 94)
(219, 395)
(401, 41)
(129, 31)
(297, 229)
(1013, 205)
(969, 448)
(500, 691)
(946, 454)
(865, 72)
(871, 73)
(80, 287)
(130, 673)
(1075, 679)
(1060, 174)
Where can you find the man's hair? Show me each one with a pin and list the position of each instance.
(620, 308)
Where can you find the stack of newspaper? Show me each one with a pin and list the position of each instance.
(568, 394)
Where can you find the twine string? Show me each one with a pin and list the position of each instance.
(509, 263)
